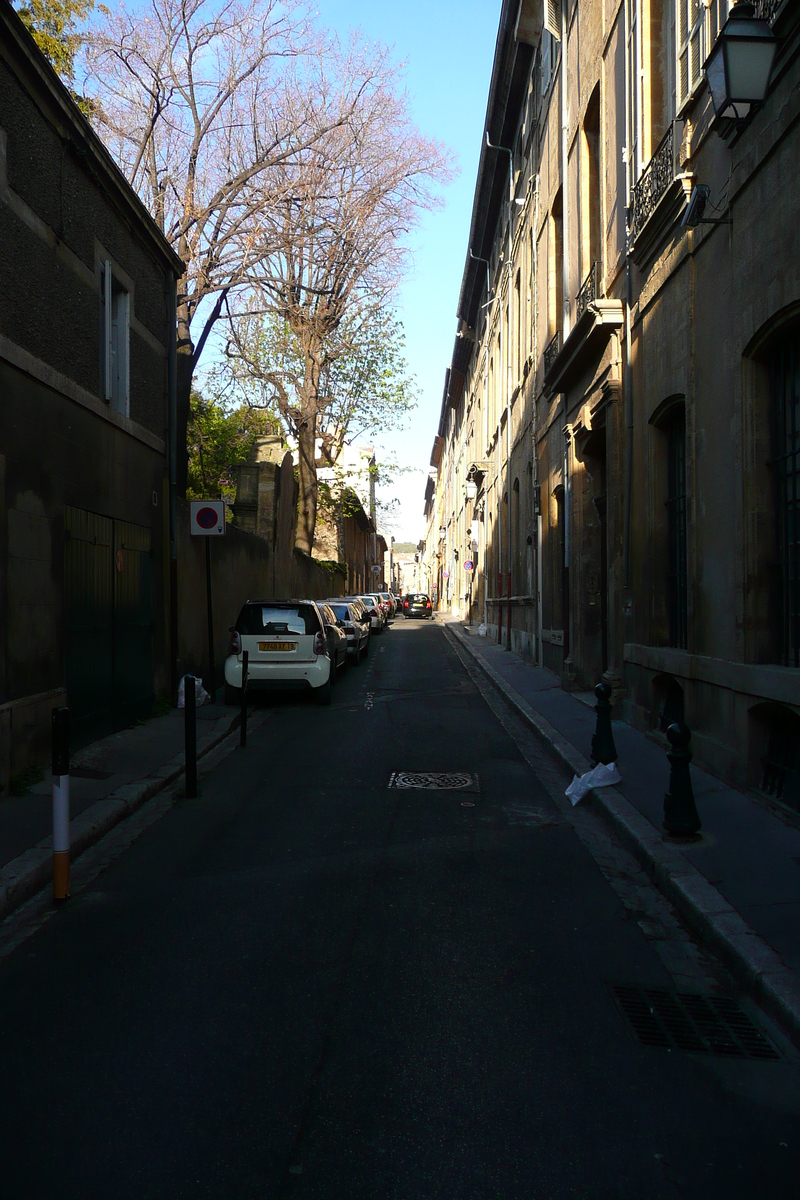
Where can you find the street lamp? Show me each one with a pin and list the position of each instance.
(472, 489)
(739, 66)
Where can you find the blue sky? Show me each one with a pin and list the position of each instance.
(447, 46)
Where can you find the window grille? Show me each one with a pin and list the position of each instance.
(676, 529)
(785, 388)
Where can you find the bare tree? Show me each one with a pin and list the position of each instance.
(331, 241)
(199, 102)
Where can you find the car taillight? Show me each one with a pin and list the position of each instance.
(319, 643)
(235, 645)
(405, 604)
(428, 604)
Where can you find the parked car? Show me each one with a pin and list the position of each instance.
(373, 607)
(287, 649)
(388, 600)
(417, 604)
(337, 640)
(348, 619)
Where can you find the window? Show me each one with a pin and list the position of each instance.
(696, 32)
(518, 330)
(590, 190)
(785, 404)
(676, 527)
(634, 53)
(114, 340)
(556, 267)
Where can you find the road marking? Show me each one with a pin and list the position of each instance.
(368, 701)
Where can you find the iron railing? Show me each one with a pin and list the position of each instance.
(655, 179)
(551, 350)
(588, 291)
(767, 10)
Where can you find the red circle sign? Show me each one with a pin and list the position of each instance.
(207, 518)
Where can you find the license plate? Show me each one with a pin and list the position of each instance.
(277, 645)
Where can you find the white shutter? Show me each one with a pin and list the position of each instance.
(717, 16)
(691, 46)
(552, 18)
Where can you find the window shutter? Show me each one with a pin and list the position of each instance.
(107, 337)
(691, 45)
(552, 18)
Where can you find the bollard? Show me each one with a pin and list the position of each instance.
(680, 812)
(190, 735)
(603, 748)
(60, 803)
(243, 719)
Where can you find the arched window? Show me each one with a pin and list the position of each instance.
(516, 539)
(669, 485)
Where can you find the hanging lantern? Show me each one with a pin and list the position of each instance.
(739, 66)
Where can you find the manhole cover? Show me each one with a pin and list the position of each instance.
(441, 781)
(697, 1024)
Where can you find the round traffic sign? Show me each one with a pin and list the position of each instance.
(469, 565)
(207, 518)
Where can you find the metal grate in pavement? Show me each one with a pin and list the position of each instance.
(694, 1023)
(441, 781)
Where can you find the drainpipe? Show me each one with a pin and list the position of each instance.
(628, 367)
(509, 368)
(565, 320)
(537, 481)
(172, 463)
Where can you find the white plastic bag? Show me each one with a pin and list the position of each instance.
(201, 696)
(603, 775)
(481, 630)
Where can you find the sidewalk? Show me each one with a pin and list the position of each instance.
(739, 886)
(109, 780)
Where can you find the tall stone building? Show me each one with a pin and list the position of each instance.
(619, 438)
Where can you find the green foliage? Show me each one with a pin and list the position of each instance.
(53, 24)
(219, 440)
(365, 387)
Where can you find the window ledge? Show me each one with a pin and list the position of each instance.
(587, 335)
(763, 682)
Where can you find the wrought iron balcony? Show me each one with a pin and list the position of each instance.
(655, 179)
(588, 291)
(551, 350)
(766, 10)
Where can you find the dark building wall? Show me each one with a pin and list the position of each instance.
(57, 226)
(58, 453)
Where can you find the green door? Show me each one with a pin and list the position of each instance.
(108, 623)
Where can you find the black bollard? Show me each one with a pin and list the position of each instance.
(190, 736)
(243, 719)
(680, 812)
(603, 748)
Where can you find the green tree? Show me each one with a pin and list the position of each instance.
(54, 26)
(219, 440)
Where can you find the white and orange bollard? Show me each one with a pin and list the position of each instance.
(60, 803)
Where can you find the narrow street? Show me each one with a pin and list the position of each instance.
(310, 983)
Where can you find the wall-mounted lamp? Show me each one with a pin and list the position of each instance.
(740, 64)
(472, 489)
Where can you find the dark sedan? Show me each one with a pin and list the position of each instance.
(417, 604)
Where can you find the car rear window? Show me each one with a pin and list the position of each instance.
(419, 597)
(299, 619)
(341, 611)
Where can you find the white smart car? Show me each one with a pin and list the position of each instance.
(287, 649)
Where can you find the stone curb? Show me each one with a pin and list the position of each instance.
(31, 871)
(751, 960)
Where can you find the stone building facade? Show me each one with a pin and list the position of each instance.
(86, 336)
(619, 438)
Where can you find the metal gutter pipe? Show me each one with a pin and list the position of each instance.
(628, 366)
(172, 466)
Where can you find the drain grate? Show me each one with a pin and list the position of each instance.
(441, 781)
(697, 1024)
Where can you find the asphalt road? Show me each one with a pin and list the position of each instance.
(307, 983)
